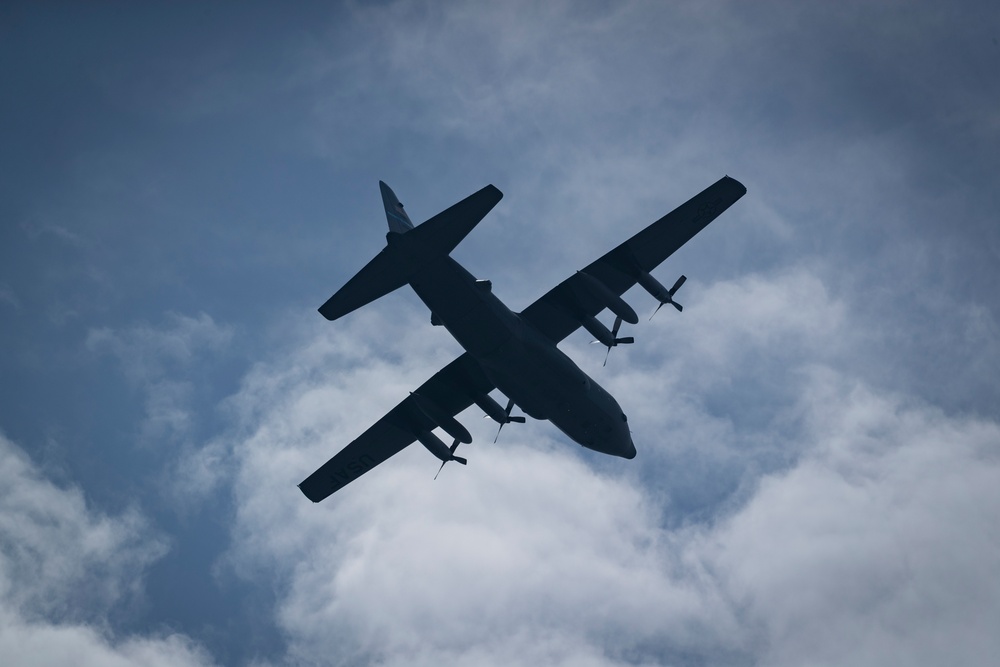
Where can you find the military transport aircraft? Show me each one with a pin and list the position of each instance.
(515, 353)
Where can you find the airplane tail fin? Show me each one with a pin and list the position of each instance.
(409, 248)
(398, 221)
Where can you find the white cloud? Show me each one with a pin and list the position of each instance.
(877, 528)
(61, 559)
(64, 569)
(160, 362)
(28, 644)
(148, 353)
(879, 546)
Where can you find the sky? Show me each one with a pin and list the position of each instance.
(818, 469)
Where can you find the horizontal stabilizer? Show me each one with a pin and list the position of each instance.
(386, 272)
(409, 249)
(439, 235)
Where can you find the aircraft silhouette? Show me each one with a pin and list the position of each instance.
(516, 353)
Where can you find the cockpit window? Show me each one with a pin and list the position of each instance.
(624, 418)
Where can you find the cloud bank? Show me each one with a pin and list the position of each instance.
(869, 539)
(68, 574)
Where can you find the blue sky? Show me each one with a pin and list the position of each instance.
(819, 445)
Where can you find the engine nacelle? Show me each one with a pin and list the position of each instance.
(492, 408)
(654, 287)
(440, 417)
(614, 302)
(658, 291)
(600, 332)
(437, 447)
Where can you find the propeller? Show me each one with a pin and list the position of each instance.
(670, 297)
(452, 449)
(508, 419)
(615, 340)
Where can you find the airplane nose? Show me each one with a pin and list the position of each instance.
(625, 445)
(629, 450)
(626, 448)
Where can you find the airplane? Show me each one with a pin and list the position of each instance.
(515, 353)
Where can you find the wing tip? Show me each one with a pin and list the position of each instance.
(307, 494)
(743, 188)
(327, 312)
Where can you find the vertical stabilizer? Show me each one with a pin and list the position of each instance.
(398, 221)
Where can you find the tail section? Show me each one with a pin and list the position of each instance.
(399, 222)
(409, 248)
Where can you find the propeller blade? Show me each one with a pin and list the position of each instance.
(677, 285)
(507, 410)
(670, 297)
(452, 449)
(606, 356)
(616, 327)
(627, 340)
(657, 310)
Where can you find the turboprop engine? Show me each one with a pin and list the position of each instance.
(614, 303)
(659, 292)
(496, 413)
(448, 424)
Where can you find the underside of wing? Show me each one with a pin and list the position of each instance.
(450, 391)
(562, 309)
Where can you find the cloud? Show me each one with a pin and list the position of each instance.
(883, 533)
(148, 353)
(61, 559)
(874, 525)
(66, 571)
(160, 361)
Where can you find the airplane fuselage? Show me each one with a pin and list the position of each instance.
(523, 364)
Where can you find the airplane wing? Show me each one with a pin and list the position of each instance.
(451, 390)
(561, 310)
